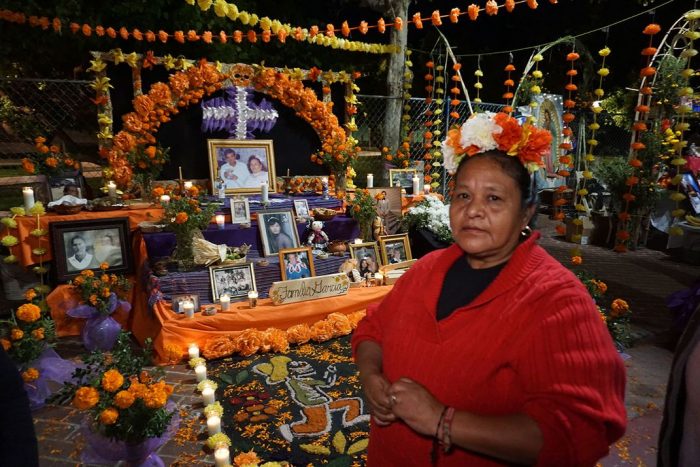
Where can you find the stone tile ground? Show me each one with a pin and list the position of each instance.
(644, 278)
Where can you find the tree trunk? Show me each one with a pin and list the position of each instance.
(394, 79)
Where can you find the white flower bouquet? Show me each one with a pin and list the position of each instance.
(431, 214)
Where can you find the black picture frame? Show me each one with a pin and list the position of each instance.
(104, 240)
(57, 184)
(234, 280)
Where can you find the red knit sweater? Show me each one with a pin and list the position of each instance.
(532, 342)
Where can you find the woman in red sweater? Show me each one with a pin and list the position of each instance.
(490, 352)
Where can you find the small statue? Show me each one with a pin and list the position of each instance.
(317, 239)
(349, 175)
(349, 267)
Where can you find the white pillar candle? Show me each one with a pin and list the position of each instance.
(213, 424)
(28, 195)
(370, 181)
(379, 278)
(112, 189)
(253, 298)
(193, 351)
(358, 241)
(264, 189)
(188, 185)
(165, 199)
(188, 309)
(225, 301)
(220, 221)
(208, 396)
(222, 457)
(426, 188)
(80, 193)
(416, 185)
(201, 372)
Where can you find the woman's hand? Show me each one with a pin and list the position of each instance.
(376, 389)
(413, 404)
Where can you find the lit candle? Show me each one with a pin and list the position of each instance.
(416, 185)
(112, 189)
(193, 350)
(188, 185)
(225, 301)
(264, 188)
(180, 170)
(426, 188)
(222, 457)
(201, 372)
(220, 221)
(165, 199)
(287, 172)
(379, 278)
(28, 195)
(324, 182)
(358, 241)
(370, 181)
(213, 424)
(253, 298)
(208, 396)
(188, 309)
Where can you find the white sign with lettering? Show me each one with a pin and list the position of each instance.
(309, 288)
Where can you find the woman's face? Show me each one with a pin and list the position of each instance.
(364, 264)
(275, 228)
(486, 215)
(255, 165)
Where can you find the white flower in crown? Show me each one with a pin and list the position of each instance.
(479, 130)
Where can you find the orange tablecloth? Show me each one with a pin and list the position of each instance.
(169, 329)
(407, 202)
(26, 224)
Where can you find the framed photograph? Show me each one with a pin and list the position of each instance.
(240, 211)
(403, 178)
(79, 245)
(395, 248)
(243, 165)
(70, 183)
(388, 207)
(278, 230)
(367, 256)
(234, 280)
(296, 263)
(176, 301)
(301, 208)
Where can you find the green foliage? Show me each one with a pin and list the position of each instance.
(668, 81)
(18, 120)
(28, 339)
(612, 172)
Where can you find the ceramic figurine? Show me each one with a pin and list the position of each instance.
(317, 239)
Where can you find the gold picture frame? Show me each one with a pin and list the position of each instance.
(232, 161)
(366, 251)
(301, 268)
(395, 248)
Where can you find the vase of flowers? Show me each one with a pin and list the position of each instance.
(28, 338)
(147, 162)
(128, 412)
(363, 208)
(338, 155)
(101, 295)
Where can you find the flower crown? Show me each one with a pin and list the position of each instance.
(488, 131)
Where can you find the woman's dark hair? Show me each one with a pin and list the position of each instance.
(512, 167)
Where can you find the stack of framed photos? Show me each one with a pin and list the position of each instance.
(370, 256)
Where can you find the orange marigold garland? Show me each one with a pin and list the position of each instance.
(508, 83)
(644, 102)
(455, 91)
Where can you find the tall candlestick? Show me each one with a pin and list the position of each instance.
(208, 395)
(416, 185)
(112, 189)
(165, 199)
(188, 185)
(220, 221)
(201, 372)
(28, 195)
(370, 181)
(222, 458)
(180, 169)
(193, 351)
(225, 301)
(213, 424)
(264, 192)
(253, 298)
(188, 309)
(287, 172)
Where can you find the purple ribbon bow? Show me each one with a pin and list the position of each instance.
(100, 331)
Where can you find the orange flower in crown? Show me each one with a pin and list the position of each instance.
(489, 131)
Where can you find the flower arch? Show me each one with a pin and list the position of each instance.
(190, 86)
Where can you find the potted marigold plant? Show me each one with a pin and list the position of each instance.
(128, 414)
(28, 338)
(48, 160)
(147, 162)
(363, 208)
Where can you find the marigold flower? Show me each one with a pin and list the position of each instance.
(435, 18)
(38, 334)
(473, 12)
(576, 260)
(112, 380)
(618, 307)
(417, 21)
(491, 8)
(510, 5)
(532, 4)
(629, 197)
(602, 286)
(16, 334)
(5, 344)
(454, 15)
(86, 398)
(181, 217)
(109, 416)
(30, 375)
(647, 71)
(651, 29)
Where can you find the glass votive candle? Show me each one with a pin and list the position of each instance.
(357, 241)
(225, 302)
(201, 372)
(165, 199)
(220, 220)
(188, 309)
(193, 351)
(213, 425)
(253, 298)
(222, 457)
(188, 185)
(208, 396)
(426, 188)
(379, 278)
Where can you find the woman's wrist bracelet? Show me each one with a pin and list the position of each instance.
(437, 427)
(446, 429)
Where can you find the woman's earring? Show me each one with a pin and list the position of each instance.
(526, 232)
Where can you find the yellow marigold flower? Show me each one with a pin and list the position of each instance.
(32, 374)
(109, 416)
(124, 399)
(30, 295)
(86, 398)
(9, 240)
(16, 334)
(5, 344)
(112, 380)
(155, 398)
(93, 299)
(28, 313)
(136, 388)
(38, 334)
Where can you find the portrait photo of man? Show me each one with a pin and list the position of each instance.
(79, 254)
(232, 171)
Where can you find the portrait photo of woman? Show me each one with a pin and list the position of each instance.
(278, 231)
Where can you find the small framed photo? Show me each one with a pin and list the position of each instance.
(296, 263)
(278, 230)
(301, 208)
(367, 256)
(86, 244)
(242, 165)
(71, 183)
(177, 300)
(388, 207)
(240, 211)
(403, 178)
(395, 248)
(234, 280)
